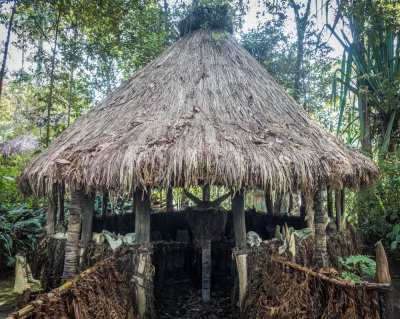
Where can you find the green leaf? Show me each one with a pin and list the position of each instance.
(393, 246)
(396, 229)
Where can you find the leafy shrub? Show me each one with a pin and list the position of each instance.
(356, 266)
(19, 230)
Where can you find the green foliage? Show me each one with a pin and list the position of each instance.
(207, 14)
(394, 237)
(19, 229)
(357, 266)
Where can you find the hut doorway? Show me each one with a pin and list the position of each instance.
(177, 281)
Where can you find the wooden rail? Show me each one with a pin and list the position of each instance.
(30, 307)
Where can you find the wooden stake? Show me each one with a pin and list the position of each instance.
(74, 230)
(51, 214)
(382, 266)
(87, 218)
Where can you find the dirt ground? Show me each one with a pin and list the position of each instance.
(8, 299)
(180, 298)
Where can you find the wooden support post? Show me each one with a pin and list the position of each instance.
(278, 202)
(342, 208)
(239, 225)
(87, 218)
(74, 230)
(329, 202)
(142, 220)
(206, 193)
(338, 206)
(104, 204)
(142, 231)
(170, 200)
(268, 202)
(61, 201)
(310, 212)
(321, 255)
(383, 277)
(206, 269)
(51, 214)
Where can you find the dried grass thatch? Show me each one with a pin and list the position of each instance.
(203, 111)
(21, 145)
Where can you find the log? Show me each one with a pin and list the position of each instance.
(142, 221)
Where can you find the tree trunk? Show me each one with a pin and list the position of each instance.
(321, 256)
(74, 229)
(71, 82)
(104, 204)
(51, 214)
(206, 269)
(239, 225)
(269, 203)
(170, 200)
(3, 66)
(301, 25)
(50, 101)
(278, 203)
(61, 200)
(87, 218)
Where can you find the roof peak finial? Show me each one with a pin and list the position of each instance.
(207, 14)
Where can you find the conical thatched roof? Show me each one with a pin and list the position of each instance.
(21, 145)
(204, 110)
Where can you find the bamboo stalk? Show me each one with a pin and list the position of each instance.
(63, 288)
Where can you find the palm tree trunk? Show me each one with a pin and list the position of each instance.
(74, 229)
(321, 256)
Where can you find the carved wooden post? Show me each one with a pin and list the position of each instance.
(74, 230)
(320, 233)
(142, 232)
(51, 213)
(170, 200)
(239, 225)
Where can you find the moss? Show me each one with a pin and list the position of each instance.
(7, 295)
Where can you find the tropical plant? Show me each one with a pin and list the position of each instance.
(357, 266)
(19, 230)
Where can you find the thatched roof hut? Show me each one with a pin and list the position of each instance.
(204, 111)
(21, 145)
